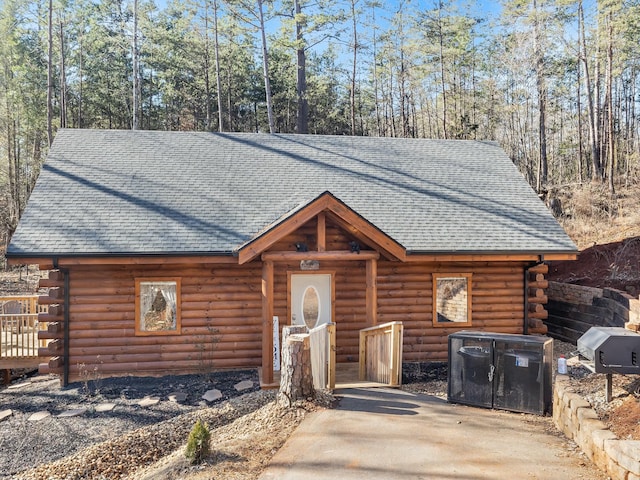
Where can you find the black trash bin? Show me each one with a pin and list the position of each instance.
(477, 363)
(523, 374)
(476, 382)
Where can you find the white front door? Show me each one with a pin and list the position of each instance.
(311, 299)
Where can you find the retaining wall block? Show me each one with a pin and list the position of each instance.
(600, 457)
(585, 442)
(576, 401)
(570, 428)
(556, 412)
(557, 408)
(617, 295)
(614, 470)
(627, 455)
(585, 436)
(567, 427)
(616, 308)
(573, 293)
(631, 476)
(600, 436)
(632, 326)
(587, 414)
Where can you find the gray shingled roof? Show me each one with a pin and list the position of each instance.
(151, 192)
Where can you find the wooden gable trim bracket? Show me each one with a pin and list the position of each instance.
(336, 255)
(345, 216)
(322, 232)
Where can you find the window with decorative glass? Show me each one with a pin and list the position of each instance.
(157, 306)
(451, 299)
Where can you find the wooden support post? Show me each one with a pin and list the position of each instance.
(267, 323)
(609, 387)
(372, 292)
(322, 232)
(6, 376)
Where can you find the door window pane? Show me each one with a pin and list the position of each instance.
(310, 306)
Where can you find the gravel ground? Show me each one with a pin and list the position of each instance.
(25, 444)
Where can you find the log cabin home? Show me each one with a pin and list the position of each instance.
(174, 252)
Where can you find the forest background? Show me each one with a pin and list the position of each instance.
(554, 82)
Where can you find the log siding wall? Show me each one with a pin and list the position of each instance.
(405, 294)
(221, 308)
(220, 311)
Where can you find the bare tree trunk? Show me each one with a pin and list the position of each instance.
(610, 114)
(63, 82)
(265, 68)
(216, 46)
(302, 119)
(12, 216)
(542, 104)
(596, 166)
(375, 73)
(352, 93)
(207, 66)
(391, 120)
(579, 109)
(50, 76)
(37, 159)
(597, 110)
(136, 68)
(80, 82)
(230, 103)
(442, 76)
(403, 96)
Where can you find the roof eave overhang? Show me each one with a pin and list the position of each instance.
(487, 256)
(345, 216)
(61, 259)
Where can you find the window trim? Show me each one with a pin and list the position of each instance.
(138, 326)
(434, 311)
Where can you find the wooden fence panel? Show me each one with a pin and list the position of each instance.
(323, 355)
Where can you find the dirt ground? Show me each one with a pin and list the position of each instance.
(614, 265)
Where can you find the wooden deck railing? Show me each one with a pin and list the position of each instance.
(381, 354)
(323, 355)
(19, 328)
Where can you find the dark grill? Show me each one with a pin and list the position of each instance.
(610, 350)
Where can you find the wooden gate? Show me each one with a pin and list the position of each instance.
(381, 354)
(323, 355)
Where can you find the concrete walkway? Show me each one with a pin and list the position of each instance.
(391, 434)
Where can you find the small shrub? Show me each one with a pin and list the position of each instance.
(198, 443)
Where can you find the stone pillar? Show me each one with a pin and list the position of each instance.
(296, 379)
